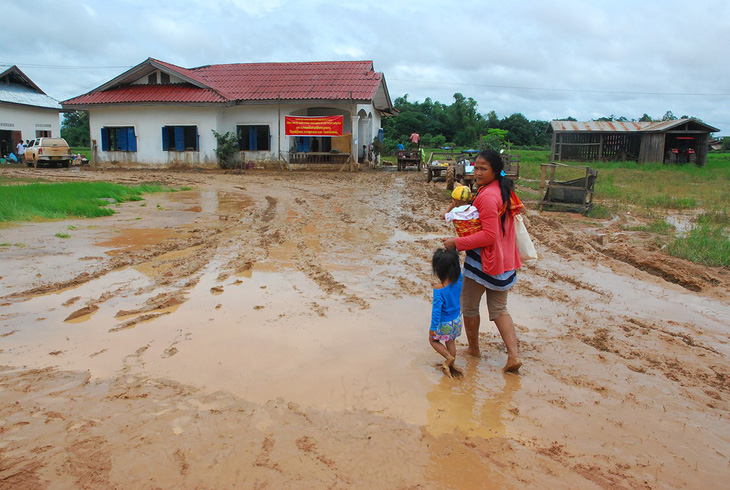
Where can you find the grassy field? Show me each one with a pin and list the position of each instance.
(25, 202)
(651, 192)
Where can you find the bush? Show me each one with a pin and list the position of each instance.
(438, 141)
(226, 149)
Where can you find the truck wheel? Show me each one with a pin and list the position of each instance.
(693, 158)
(66, 164)
(450, 178)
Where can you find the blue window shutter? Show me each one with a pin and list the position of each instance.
(179, 138)
(197, 139)
(104, 139)
(165, 139)
(131, 140)
(121, 139)
(253, 144)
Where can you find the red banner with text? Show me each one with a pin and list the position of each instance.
(313, 125)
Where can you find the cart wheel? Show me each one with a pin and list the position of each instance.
(450, 178)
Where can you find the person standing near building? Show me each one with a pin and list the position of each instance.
(21, 151)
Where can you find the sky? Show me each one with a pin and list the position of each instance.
(546, 60)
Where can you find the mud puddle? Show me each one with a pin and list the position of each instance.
(266, 329)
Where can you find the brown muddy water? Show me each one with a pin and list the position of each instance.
(269, 329)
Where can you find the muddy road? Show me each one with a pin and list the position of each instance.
(269, 330)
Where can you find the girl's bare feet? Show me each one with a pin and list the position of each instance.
(513, 365)
(447, 365)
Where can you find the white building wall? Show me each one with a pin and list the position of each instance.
(149, 120)
(28, 120)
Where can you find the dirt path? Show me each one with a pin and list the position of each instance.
(268, 329)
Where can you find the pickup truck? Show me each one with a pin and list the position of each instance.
(48, 151)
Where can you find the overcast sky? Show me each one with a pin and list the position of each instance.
(546, 60)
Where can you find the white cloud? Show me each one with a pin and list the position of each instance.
(542, 59)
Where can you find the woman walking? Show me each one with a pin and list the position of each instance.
(492, 258)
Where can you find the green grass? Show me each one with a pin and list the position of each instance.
(63, 200)
(705, 243)
(644, 189)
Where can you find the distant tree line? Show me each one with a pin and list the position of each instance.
(460, 124)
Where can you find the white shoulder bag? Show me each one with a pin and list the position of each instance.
(524, 243)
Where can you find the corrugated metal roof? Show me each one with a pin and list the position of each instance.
(181, 92)
(20, 94)
(623, 126)
(326, 80)
(17, 88)
(598, 126)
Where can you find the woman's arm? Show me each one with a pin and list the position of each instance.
(489, 216)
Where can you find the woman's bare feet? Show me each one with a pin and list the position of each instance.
(513, 365)
(473, 351)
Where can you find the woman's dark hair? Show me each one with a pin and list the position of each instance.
(446, 265)
(506, 185)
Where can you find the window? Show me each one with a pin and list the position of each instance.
(179, 138)
(42, 133)
(164, 77)
(118, 139)
(152, 79)
(253, 138)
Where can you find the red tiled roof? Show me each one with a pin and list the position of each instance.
(327, 80)
(337, 80)
(182, 92)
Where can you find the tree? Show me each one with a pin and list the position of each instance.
(669, 116)
(75, 128)
(520, 130)
(645, 118)
(495, 139)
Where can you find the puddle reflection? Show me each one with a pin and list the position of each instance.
(473, 405)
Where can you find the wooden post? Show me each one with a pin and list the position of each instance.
(543, 168)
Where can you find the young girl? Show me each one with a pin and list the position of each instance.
(446, 312)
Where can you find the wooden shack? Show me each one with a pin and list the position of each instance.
(678, 141)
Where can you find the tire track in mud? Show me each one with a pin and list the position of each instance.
(626, 342)
(607, 248)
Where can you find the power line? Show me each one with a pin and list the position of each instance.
(514, 87)
(64, 67)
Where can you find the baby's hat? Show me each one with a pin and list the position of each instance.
(461, 193)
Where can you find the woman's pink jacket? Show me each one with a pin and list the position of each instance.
(499, 251)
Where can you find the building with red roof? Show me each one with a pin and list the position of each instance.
(161, 114)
